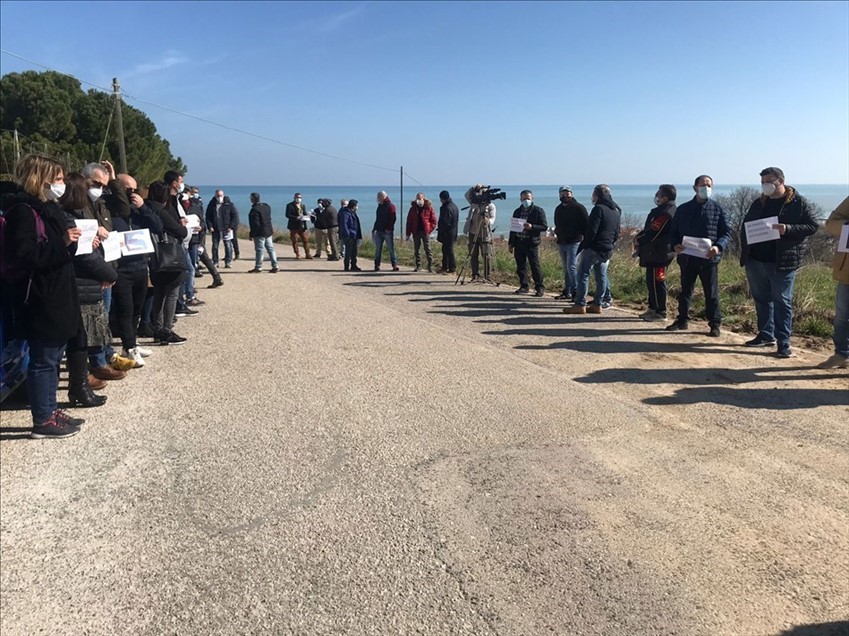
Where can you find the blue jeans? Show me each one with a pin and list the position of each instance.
(841, 320)
(228, 249)
(264, 245)
(187, 289)
(43, 378)
(569, 261)
(586, 260)
(379, 239)
(772, 291)
(193, 253)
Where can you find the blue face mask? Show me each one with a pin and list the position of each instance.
(527, 203)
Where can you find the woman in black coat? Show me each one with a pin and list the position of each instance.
(166, 285)
(44, 292)
(92, 275)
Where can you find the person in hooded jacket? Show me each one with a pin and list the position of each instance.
(351, 232)
(92, 275)
(421, 221)
(446, 231)
(37, 239)
(261, 232)
(652, 246)
(166, 285)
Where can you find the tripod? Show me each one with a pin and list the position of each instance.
(482, 243)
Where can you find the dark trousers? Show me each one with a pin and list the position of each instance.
(419, 239)
(656, 284)
(350, 252)
(43, 378)
(128, 295)
(210, 266)
(702, 269)
(449, 263)
(525, 252)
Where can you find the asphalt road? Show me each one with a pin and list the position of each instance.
(388, 453)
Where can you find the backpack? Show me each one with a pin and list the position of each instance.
(10, 271)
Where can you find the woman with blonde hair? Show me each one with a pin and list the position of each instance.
(38, 248)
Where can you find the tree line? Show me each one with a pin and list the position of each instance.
(52, 114)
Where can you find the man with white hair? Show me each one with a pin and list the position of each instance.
(384, 230)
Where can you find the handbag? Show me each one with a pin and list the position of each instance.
(169, 256)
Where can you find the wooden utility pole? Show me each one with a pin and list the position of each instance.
(17, 147)
(119, 123)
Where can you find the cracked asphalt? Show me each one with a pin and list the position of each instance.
(390, 453)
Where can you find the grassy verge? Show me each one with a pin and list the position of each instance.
(813, 297)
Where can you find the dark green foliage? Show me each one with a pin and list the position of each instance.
(53, 114)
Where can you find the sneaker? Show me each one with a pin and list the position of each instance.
(594, 309)
(195, 302)
(836, 361)
(563, 297)
(144, 331)
(64, 416)
(54, 428)
(215, 283)
(174, 339)
(606, 304)
(186, 311)
(145, 353)
(760, 341)
(133, 354)
(198, 274)
(274, 270)
(377, 268)
(714, 332)
(678, 325)
(539, 293)
(575, 309)
(784, 352)
(228, 266)
(647, 315)
(121, 363)
(356, 269)
(254, 271)
(656, 317)
(522, 290)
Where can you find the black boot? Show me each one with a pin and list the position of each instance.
(79, 392)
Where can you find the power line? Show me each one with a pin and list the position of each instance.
(209, 121)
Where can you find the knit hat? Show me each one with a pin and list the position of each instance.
(565, 189)
(444, 195)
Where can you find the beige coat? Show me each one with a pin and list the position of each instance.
(834, 225)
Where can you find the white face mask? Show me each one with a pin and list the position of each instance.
(527, 203)
(220, 199)
(657, 200)
(54, 191)
(95, 193)
(768, 189)
(704, 192)
(298, 199)
(181, 187)
(420, 202)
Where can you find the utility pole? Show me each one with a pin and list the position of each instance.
(119, 122)
(400, 203)
(17, 147)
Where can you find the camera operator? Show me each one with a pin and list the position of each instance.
(478, 227)
(524, 245)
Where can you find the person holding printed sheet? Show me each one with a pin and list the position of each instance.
(772, 239)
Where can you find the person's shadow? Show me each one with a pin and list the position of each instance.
(838, 628)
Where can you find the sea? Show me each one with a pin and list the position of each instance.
(635, 200)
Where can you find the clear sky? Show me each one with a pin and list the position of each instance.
(461, 92)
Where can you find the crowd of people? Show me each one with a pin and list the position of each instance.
(68, 300)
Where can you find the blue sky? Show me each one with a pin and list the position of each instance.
(499, 92)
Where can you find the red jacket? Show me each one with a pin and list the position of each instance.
(421, 219)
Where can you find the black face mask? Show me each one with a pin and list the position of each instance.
(564, 200)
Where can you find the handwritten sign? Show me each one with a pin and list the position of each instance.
(760, 230)
(112, 247)
(694, 246)
(517, 224)
(89, 232)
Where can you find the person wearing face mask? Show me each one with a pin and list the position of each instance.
(39, 241)
(771, 265)
(596, 249)
(447, 231)
(701, 217)
(220, 220)
(524, 245)
(421, 221)
(570, 225)
(652, 246)
(383, 231)
(296, 215)
(351, 233)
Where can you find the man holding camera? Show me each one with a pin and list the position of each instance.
(524, 244)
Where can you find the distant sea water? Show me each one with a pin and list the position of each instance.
(635, 200)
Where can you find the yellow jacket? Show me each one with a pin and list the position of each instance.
(834, 225)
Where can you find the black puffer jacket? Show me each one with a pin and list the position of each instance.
(47, 307)
(90, 270)
(602, 228)
(260, 220)
(797, 215)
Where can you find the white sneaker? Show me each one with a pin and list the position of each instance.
(836, 361)
(144, 352)
(134, 355)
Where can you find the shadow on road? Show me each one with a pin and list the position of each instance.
(838, 628)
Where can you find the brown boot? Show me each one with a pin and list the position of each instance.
(575, 309)
(95, 383)
(108, 373)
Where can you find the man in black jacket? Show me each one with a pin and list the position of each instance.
(446, 231)
(524, 244)
(570, 224)
(221, 221)
(596, 248)
(296, 213)
(771, 264)
(652, 245)
(259, 219)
